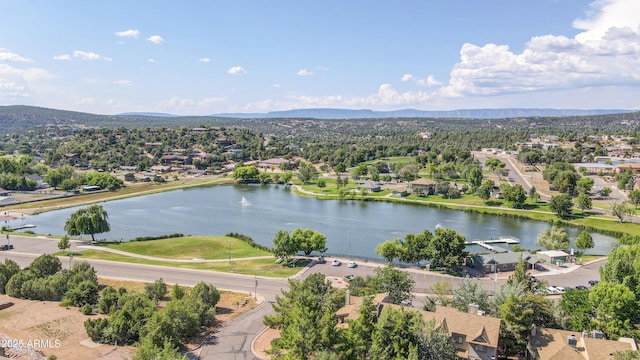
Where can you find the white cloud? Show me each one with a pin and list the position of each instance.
(606, 53)
(108, 59)
(6, 55)
(124, 82)
(205, 60)
(156, 39)
(131, 33)
(203, 106)
(86, 55)
(304, 72)
(237, 70)
(86, 101)
(62, 57)
(151, 60)
(406, 77)
(276, 85)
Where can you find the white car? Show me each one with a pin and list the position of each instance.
(336, 263)
(560, 289)
(552, 290)
(352, 264)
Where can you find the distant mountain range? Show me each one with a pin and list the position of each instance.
(412, 113)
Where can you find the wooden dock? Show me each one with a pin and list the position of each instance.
(27, 226)
(487, 244)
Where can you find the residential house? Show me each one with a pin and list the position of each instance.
(131, 177)
(422, 187)
(176, 160)
(595, 168)
(551, 344)
(273, 163)
(370, 186)
(475, 335)
(160, 169)
(40, 184)
(628, 166)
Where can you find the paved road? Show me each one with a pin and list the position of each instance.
(233, 342)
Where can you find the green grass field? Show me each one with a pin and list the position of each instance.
(191, 247)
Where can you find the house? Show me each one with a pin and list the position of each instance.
(595, 168)
(40, 184)
(129, 177)
(506, 261)
(160, 169)
(274, 163)
(422, 187)
(176, 160)
(548, 344)
(475, 335)
(557, 257)
(629, 166)
(370, 186)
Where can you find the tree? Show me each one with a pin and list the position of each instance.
(309, 240)
(469, 292)
(584, 185)
(561, 205)
(485, 190)
(46, 265)
(395, 334)
(584, 202)
(398, 284)
(283, 245)
(623, 267)
(446, 248)
(389, 249)
(64, 244)
(90, 220)
(307, 173)
(246, 173)
(533, 194)
(576, 310)
(554, 238)
(85, 293)
(634, 198)
(616, 309)
(156, 291)
(516, 195)
(605, 191)
(620, 210)
(584, 242)
(475, 177)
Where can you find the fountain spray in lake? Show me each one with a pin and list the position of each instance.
(245, 202)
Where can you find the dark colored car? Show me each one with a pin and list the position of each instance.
(581, 287)
(593, 282)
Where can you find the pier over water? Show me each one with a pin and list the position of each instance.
(488, 244)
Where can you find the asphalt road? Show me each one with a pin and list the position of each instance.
(233, 342)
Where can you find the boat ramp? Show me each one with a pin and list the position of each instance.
(490, 244)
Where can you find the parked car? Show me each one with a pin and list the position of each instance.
(552, 290)
(593, 282)
(581, 287)
(560, 289)
(336, 263)
(321, 260)
(352, 264)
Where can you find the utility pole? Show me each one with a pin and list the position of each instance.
(230, 269)
(255, 288)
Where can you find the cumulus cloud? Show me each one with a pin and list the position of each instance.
(152, 61)
(156, 39)
(131, 33)
(205, 60)
(237, 70)
(429, 81)
(6, 55)
(191, 106)
(304, 72)
(606, 53)
(406, 77)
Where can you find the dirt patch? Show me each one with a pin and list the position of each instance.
(50, 329)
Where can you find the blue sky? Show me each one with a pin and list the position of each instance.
(207, 57)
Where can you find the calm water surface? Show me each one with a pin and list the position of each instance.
(352, 227)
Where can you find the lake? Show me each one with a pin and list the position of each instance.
(352, 227)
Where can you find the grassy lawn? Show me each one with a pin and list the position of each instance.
(264, 267)
(191, 247)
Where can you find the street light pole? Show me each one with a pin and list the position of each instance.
(230, 270)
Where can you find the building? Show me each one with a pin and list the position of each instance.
(475, 336)
(370, 186)
(131, 177)
(557, 257)
(551, 344)
(498, 262)
(422, 187)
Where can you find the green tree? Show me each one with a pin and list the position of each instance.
(389, 249)
(446, 249)
(616, 309)
(64, 244)
(516, 195)
(308, 240)
(623, 267)
(396, 334)
(46, 265)
(485, 190)
(148, 350)
(584, 202)
(396, 283)
(88, 221)
(576, 310)
(469, 292)
(584, 242)
(360, 331)
(156, 291)
(621, 210)
(85, 293)
(533, 194)
(246, 173)
(634, 198)
(474, 177)
(584, 185)
(554, 238)
(307, 173)
(561, 205)
(284, 245)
